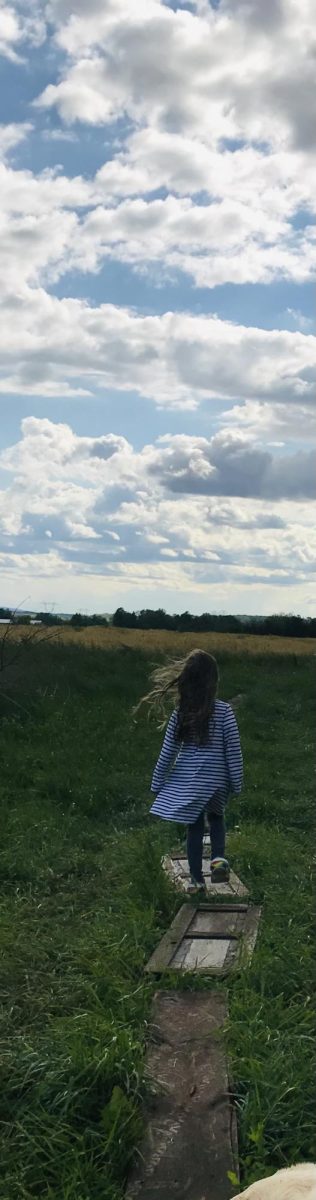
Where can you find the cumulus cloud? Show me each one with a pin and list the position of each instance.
(175, 359)
(210, 175)
(239, 131)
(127, 58)
(215, 243)
(17, 28)
(102, 504)
(228, 465)
(243, 234)
(122, 58)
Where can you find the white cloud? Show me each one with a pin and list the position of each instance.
(229, 465)
(300, 321)
(135, 60)
(217, 243)
(243, 233)
(10, 32)
(278, 181)
(19, 27)
(104, 503)
(190, 513)
(240, 83)
(175, 359)
(245, 77)
(11, 135)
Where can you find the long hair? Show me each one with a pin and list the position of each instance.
(191, 683)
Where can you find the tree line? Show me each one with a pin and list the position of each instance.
(278, 624)
(77, 620)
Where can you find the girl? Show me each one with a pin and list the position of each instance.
(200, 761)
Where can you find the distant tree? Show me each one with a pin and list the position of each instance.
(124, 620)
(288, 625)
(280, 624)
(78, 621)
(185, 622)
(154, 618)
(97, 619)
(48, 618)
(5, 614)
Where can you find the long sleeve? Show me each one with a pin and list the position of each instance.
(167, 755)
(233, 753)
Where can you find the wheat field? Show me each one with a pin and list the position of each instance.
(167, 642)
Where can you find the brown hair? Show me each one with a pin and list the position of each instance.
(192, 682)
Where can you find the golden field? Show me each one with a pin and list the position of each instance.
(163, 641)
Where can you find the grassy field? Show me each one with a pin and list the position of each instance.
(84, 901)
(161, 641)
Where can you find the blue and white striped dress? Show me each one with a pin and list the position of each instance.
(189, 778)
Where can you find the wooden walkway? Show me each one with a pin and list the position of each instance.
(191, 1138)
(189, 1150)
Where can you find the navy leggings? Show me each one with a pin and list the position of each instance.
(195, 841)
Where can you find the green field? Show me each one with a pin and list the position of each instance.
(84, 901)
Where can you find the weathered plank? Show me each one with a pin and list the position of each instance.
(207, 921)
(207, 938)
(249, 936)
(163, 953)
(201, 954)
(177, 867)
(190, 1142)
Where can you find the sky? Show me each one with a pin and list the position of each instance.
(157, 333)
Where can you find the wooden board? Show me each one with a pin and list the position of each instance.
(212, 938)
(177, 867)
(190, 1141)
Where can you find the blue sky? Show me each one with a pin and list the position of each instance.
(158, 246)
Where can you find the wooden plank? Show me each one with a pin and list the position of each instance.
(230, 908)
(182, 925)
(177, 867)
(207, 939)
(201, 954)
(210, 921)
(249, 936)
(190, 1142)
(161, 957)
(202, 935)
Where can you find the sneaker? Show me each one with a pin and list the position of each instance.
(196, 886)
(220, 870)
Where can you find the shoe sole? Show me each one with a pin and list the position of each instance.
(220, 877)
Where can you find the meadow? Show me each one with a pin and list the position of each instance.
(161, 641)
(83, 901)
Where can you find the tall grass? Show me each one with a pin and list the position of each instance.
(164, 641)
(84, 900)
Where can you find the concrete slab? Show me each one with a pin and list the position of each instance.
(191, 1138)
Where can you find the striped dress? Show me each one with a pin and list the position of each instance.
(189, 778)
